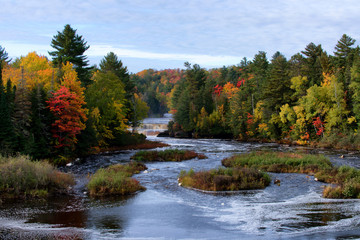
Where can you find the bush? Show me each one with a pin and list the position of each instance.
(116, 180)
(20, 177)
(169, 155)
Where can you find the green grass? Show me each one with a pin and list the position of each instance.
(225, 179)
(280, 162)
(345, 180)
(116, 180)
(20, 177)
(169, 155)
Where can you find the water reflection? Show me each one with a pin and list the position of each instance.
(62, 219)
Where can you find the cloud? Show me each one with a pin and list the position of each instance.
(206, 32)
(202, 59)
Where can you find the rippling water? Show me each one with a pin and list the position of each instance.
(293, 210)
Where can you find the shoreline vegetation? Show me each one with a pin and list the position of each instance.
(168, 155)
(22, 178)
(116, 180)
(344, 180)
(224, 179)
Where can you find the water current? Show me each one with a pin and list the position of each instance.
(293, 210)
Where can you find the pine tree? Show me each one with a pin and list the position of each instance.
(312, 64)
(277, 89)
(7, 136)
(111, 63)
(4, 57)
(70, 47)
(344, 56)
(21, 114)
(38, 146)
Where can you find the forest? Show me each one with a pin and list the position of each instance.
(311, 98)
(63, 108)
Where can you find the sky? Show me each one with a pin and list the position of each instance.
(162, 34)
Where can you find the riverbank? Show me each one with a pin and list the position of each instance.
(335, 141)
(293, 210)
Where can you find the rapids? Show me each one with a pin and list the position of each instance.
(293, 210)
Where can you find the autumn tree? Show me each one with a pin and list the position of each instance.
(67, 108)
(70, 47)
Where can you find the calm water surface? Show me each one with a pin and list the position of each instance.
(293, 210)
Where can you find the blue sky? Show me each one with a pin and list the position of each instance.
(164, 34)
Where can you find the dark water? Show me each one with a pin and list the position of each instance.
(293, 210)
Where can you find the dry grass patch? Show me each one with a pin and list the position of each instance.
(20, 177)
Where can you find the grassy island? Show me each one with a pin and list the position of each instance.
(225, 179)
(116, 180)
(280, 162)
(345, 180)
(22, 178)
(169, 155)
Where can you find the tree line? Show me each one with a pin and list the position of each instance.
(311, 97)
(64, 108)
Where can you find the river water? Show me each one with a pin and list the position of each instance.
(293, 210)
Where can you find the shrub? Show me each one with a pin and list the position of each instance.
(20, 177)
(116, 180)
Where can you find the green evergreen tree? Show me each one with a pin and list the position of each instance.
(111, 63)
(38, 146)
(312, 63)
(277, 90)
(344, 54)
(4, 57)
(70, 47)
(7, 136)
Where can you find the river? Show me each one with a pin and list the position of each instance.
(293, 210)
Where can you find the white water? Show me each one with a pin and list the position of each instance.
(293, 210)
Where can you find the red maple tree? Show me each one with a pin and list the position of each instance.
(67, 107)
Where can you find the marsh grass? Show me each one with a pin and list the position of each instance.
(169, 155)
(345, 180)
(116, 180)
(20, 177)
(225, 179)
